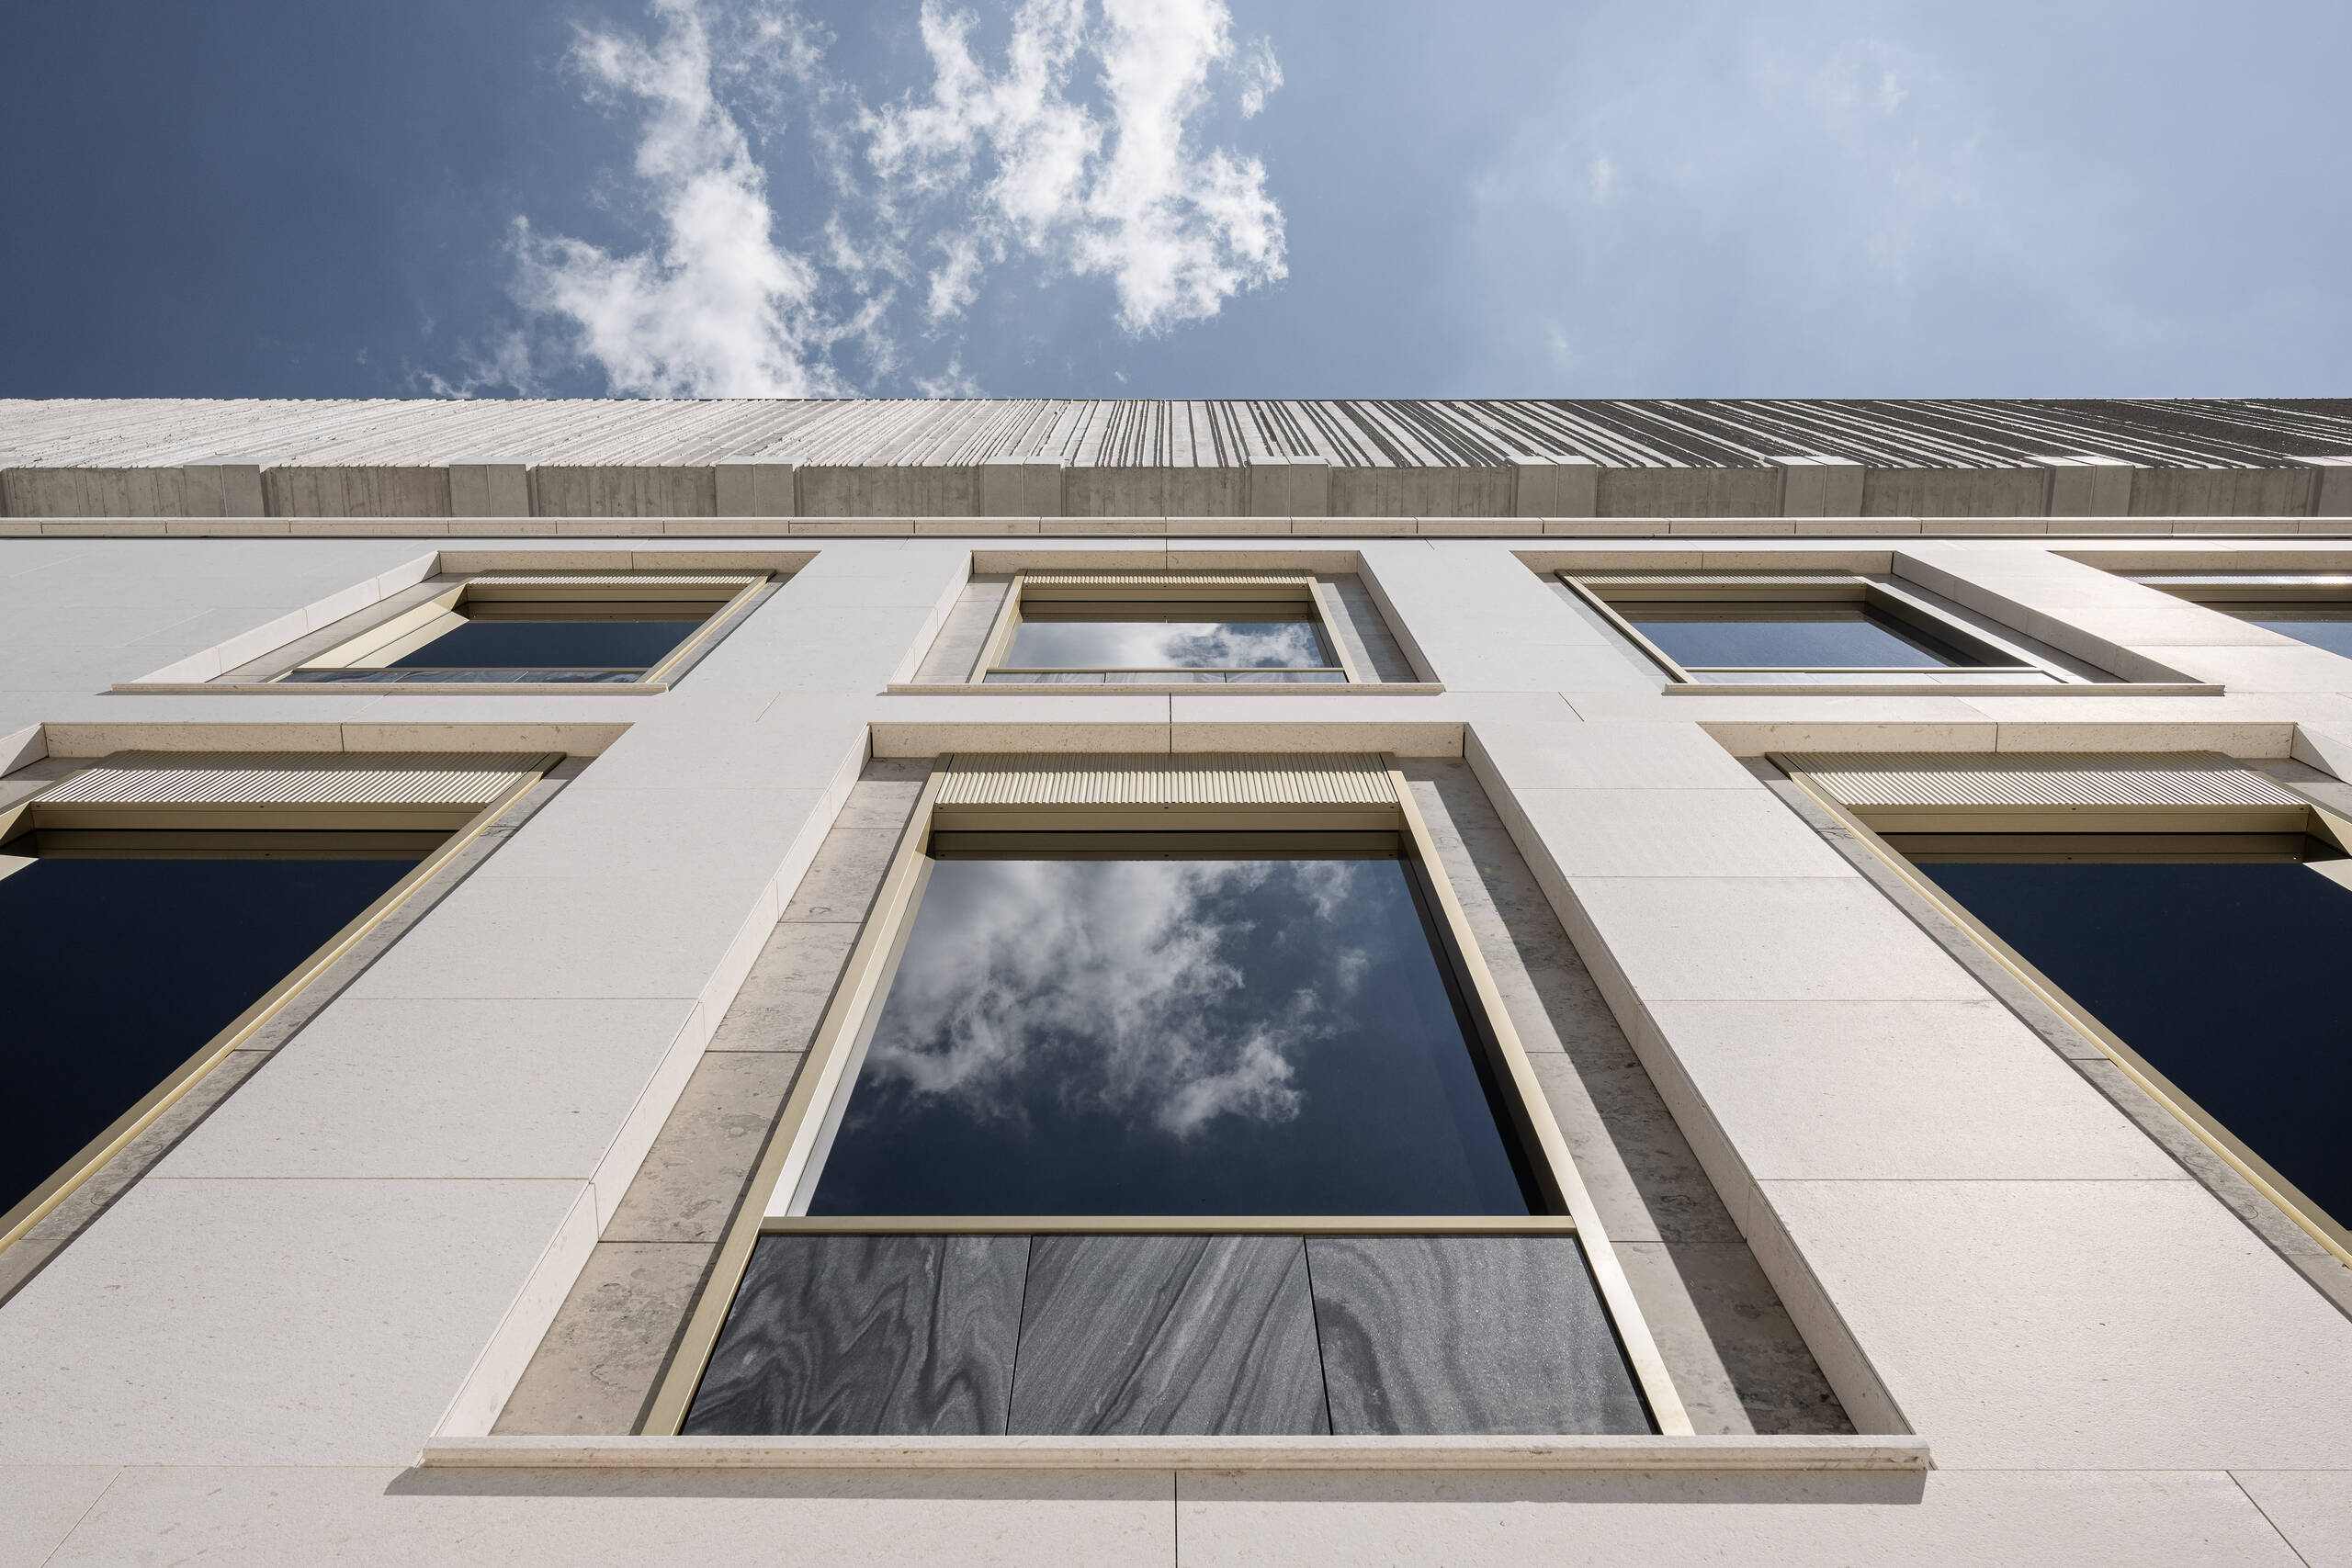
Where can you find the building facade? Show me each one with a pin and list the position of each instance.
(1122, 981)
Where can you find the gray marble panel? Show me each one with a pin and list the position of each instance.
(868, 1334)
(1467, 1334)
(1167, 1334)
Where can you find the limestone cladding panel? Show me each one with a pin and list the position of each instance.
(2089, 1343)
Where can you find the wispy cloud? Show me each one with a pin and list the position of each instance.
(1075, 149)
(1126, 986)
(716, 307)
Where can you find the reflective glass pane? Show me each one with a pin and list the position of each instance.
(2227, 977)
(462, 677)
(1171, 1036)
(630, 644)
(120, 969)
(1159, 644)
(1801, 636)
(2322, 626)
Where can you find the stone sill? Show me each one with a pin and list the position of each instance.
(1947, 689)
(1275, 689)
(419, 689)
(1864, 1452)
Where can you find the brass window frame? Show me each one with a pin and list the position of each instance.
(2318, 822)
(1876, 591)
(463, 824)
(1178, 589)
(825, 1081)
(421, 623)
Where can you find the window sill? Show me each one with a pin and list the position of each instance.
(1736, 1452)
(421, 689)
(1268, 689)
(1943, 689)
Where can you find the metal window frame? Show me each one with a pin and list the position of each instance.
(31, 816)
(826, 1079)
(421, 623)
(1877, 590)
(1173, 588)
(2206, 1128)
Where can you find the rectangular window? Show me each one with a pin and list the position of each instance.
(1136, 629)
(2313, 607)
(1770, 629)
(1156, 1029)
(157, 909)
(1176, 1088)
(543, 628)
(2192, 918)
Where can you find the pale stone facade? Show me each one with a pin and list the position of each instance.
(1988, 1252)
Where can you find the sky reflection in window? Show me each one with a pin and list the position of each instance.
(1798, 637)
(2322, 626)
(598, 644)
(1169, 1037)
(1270, 644)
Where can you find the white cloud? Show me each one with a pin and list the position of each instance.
(715, 308)
(1014, 159)
(1260, 74)
(1077, 151)
(1120, 983)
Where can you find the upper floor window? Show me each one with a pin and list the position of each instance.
(513, 627)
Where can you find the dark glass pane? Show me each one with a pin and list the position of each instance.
(467, 677)
(1803, 636)
(1170, 1037)
(1270, 644)
(524, 644)
(120, 969)
(2322, 626)
(2227, 977)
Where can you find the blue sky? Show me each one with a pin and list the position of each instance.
(1180, 197)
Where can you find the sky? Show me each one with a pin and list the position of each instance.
(1172, 199)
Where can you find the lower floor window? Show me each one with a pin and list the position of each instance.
(1115, 1130)
(2217, 959)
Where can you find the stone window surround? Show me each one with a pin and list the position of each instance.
(613, 1283)
(250, 663)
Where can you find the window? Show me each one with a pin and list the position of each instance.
(541, 628)
(156, 910)
(1165, 1095)
(1802, 629)
(2313, 607)
(1100, 628)
(2189, 914)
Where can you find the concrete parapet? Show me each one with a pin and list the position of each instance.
(1448, 492)
(908, 489)
(2086, 486)
(1554, 487)
(1289, 487)
(623, 489)
(1020, 487)
(489, 487)
(1154, 491)
(1798, 489)
(223, 490)
(1955, 492)
(2332, 487)
(302, 489)
(1689, 493)
(1820, 487)
(755, 487)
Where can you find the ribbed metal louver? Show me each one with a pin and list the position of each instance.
(1207, 779)
(264, 778)
(2191, 779)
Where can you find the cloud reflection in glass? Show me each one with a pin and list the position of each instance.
(1171, 1036)
(1271, 644)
